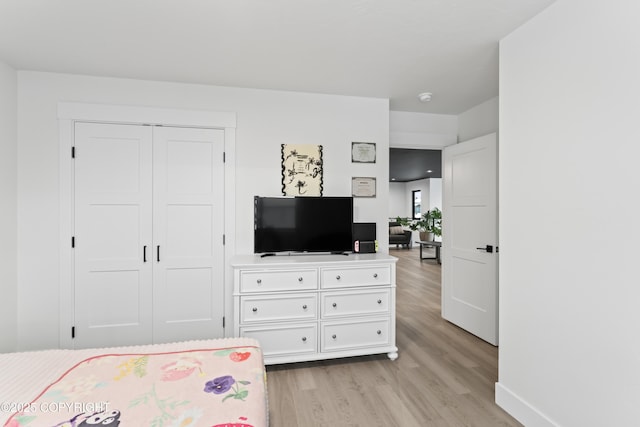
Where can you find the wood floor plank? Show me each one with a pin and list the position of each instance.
(443, 377)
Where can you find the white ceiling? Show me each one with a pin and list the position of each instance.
(375, 48)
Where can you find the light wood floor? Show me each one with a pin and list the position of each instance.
(444, 376)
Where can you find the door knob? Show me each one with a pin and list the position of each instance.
(487, 248)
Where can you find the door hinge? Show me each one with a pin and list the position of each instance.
(73, 332)
(224, 156)
(73, 152)
(73, 241)
(223, 321)
(224, 239)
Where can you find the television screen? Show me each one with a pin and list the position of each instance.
(303, 224)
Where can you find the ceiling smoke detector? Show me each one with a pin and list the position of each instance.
(425, 96)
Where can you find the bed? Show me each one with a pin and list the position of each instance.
(218, 383)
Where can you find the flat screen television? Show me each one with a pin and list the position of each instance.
(303, 224)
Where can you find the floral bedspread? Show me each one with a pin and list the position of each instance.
(222, 387)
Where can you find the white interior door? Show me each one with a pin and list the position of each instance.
(470, 236)
(188, 272)
(113, 283)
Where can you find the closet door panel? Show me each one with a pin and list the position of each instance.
(189, 169)
(190, 295)
(113, 233)
(188, 233)
(113, 289)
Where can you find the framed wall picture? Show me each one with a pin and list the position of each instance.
(363, 152)
(301, 170)
(363, 187)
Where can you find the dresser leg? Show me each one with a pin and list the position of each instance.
(392, 355)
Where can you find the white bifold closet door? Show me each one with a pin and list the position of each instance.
(148, 229)
(188, 276)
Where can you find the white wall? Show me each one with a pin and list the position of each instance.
(8, 207)
(399, 201)
(435, 193)
(478, 121)
(422, 130)
(569, 280)
(400, 197)
(266, 119)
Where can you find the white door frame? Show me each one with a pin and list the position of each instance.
(68, 114)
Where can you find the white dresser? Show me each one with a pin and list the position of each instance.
(312, 307)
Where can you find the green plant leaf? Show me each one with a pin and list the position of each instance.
(241, 395)
(140, 366)
(142, 399)
(25, 419)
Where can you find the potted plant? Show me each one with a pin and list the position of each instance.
(429, 224)
(436, 221)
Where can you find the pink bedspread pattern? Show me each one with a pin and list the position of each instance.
(203, 387)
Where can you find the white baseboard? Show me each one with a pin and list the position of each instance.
(520, 409)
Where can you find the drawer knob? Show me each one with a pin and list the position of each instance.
(379, 332)
(304, 307)
(334, 304)
(259, 281)
(338, 277)
(379, 301)
(375, 275)
(254, 309)
(334, 336)
(299, 279)
(304, 339)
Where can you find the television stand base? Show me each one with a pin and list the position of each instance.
(267, 254)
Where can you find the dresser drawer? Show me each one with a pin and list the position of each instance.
(355, 276)
(278, 280)
(343, 336)
(280, 340)
(278, 308)
(350, 303)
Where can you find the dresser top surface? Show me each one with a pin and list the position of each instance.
(253, 260)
